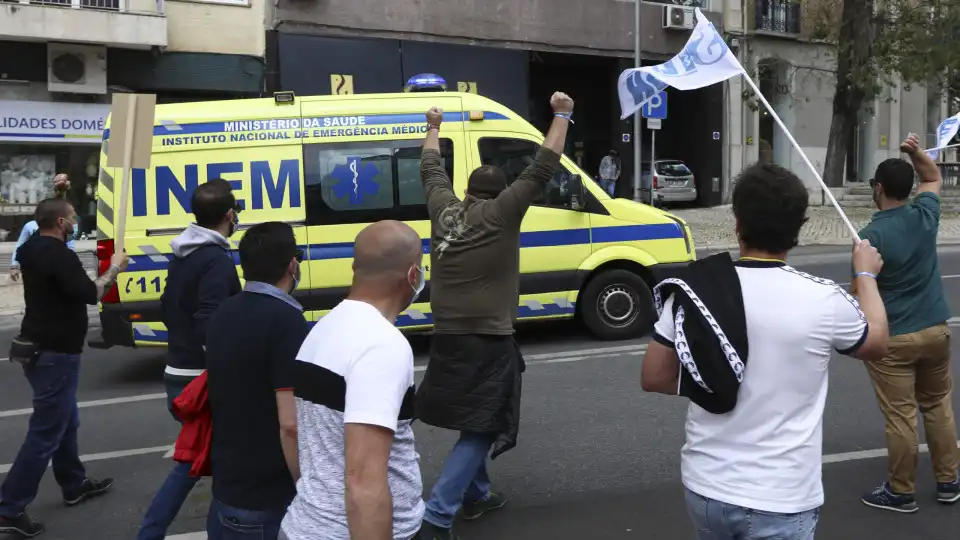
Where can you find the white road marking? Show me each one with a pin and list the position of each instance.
(95, 403)
(563, 357)
(866, 454)
(108, 455)
(951, 276)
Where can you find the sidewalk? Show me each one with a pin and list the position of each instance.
(714, 227)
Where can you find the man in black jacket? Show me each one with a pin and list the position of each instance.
(473, 381)
(201, 276)
(57, 291)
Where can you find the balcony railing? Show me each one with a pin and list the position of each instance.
(778, 16)
(702, 4)
(144, 7)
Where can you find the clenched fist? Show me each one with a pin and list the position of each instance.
(911, 145)
(561, 103)
(866, 258)
(435, 116)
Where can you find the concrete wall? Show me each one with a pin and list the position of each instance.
(594, 27)
(227, 27)
(142, 26)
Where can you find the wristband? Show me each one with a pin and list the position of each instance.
(867, 274)
(566, 116)
(433, 126)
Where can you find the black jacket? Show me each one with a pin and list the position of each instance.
(711, 331)
(473, 383)
(201, 276)
(57, 291)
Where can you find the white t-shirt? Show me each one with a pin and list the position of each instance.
(355, 367)
(766, 453)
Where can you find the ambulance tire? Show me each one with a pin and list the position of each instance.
(617, 304)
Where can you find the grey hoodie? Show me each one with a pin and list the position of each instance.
(195, 237)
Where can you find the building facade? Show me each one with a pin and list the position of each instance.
(517, 53)
(782, 43)
(60, 60)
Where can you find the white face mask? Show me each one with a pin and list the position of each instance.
(419, 285)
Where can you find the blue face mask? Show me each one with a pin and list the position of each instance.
(419, 285)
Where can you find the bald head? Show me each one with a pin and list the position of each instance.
(386, 249)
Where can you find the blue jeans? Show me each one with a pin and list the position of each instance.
(175, 489)
(225, 522)
(52, 433)
(715, 520)
(464, 479)
(610, 186)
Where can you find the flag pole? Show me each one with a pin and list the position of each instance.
(823, 185)
(942, 148)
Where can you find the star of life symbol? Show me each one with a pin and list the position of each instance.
(356, 179)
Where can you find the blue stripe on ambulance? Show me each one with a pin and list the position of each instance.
(564, 237)
(403, 321)
(307, 123)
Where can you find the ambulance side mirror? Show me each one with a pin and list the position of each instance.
(574, 186)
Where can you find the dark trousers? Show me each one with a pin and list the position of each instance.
(225, 522)
(52, 434)
(175, 489)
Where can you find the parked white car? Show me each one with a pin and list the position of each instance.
(673, 181)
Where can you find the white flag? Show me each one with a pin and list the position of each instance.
(704, 60)
(945, 133)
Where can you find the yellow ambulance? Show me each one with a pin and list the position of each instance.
(331, 165)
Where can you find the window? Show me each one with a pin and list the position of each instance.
(366, 182)
(672, 168)
(513, 156)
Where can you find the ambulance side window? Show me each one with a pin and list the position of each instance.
(366, 181)
(515, 155)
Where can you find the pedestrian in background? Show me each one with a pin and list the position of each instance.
(252, 343)
(753, 472)
(610, 172)
(916, 371)
(61, 184)
(56, 291)
(201, 276)
(473, 381)
(354, 390)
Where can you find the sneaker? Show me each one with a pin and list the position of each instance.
(948, 492)
(22, 525)
(429, 531)
(472, 511)
(89, 489)
(885, 498)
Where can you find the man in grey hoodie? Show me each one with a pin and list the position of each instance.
(201, 276)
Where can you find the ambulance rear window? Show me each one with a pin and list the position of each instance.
(366, 182)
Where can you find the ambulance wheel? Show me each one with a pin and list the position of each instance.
(616, 305)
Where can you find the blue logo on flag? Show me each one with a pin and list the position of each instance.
(947, 127)
(355, 179)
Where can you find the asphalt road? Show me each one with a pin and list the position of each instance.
(598, 458)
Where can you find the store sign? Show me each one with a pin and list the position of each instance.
(38, 121)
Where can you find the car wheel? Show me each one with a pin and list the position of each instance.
(616, 305)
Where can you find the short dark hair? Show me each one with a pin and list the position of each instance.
(266, 250)
(50, 210)
(770, 204)
(211, 201)
(896, 176)
(486, 182)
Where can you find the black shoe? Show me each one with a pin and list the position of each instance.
(429, 531)
(474, 510)
(885, 498)
(89, 489)
(22, 525)
(948, 492)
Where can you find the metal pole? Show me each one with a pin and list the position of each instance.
(653, 164)
(637, 117)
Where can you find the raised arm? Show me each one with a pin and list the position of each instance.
(931, 181)
(436, 184)
(514, 201)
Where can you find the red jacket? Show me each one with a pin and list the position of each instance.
(193, 444)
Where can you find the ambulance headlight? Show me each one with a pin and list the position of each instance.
(426, 82)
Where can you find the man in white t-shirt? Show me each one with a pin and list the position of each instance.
(360, 473)
(754, 473)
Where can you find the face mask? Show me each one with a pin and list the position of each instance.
(234, 223)
(418, 287)
(296, 279)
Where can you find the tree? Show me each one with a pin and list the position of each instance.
(878, 41)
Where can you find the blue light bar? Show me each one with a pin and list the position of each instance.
(426, 82)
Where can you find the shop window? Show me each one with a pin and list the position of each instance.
(513, 156)
(366, 182)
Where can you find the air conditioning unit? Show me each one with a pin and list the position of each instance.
(678, 17)
(77, 69)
